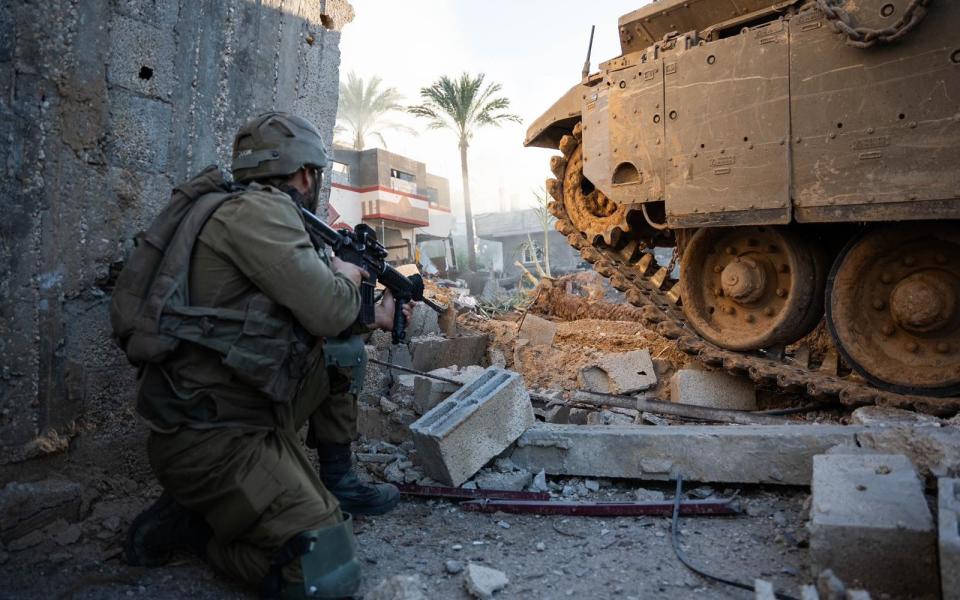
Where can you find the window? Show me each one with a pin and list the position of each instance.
(433, 196)
(402, 175)
(530, 252)
(339, 167)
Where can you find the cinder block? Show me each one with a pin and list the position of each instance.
(712, 389)
(479, 421)
(870, 524)
(620, 373)
(428, 393)
(773, 454)
(949, 522)
(432, 352)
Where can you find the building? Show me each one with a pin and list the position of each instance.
(408, 207)
(514, 231)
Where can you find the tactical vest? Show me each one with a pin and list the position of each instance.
(151, 313)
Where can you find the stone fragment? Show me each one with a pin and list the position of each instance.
(68, 535)
(453, 567)
(25, 507)
(829, 586)
(538, 331)
(777, 454)
(496, 358)
(618, 416)
(398, 587)
(475, 424)
(713, 390)
(375, 425)
(858, 595)
(111, 523)
(514, 481)
(425, 321)
(432, 352)
(870, 524)
(619, 373)
(483, 582)
(763, 590)
(387, 407)
(592, 484)
(809, 592)
(948, 505)
(645, 495)
(28, 541)
(539, 483)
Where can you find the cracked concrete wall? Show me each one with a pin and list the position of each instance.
(106, 105)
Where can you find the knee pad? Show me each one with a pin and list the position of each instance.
(328, 559)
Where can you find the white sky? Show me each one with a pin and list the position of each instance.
(534, 48)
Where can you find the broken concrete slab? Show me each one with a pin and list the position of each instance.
(870, 524)
(948, 509)
(889, 416)
(425, 321)
(432, 352)
(26, 507)
(377, 378)
(538, 331)
(775, 454)
(374, 424)
(620, 373)
(513, 481)
(934, 450)
(460, 435)
(712, 389)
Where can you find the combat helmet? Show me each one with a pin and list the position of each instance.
(276, 144)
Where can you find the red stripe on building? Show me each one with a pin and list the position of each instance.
(381, 188)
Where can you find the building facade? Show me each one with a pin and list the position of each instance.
(514, 231)
(408, 207)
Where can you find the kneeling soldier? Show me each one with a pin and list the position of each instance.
(252, 336)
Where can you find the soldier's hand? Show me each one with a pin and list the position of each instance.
(384, 311)
(349, 270)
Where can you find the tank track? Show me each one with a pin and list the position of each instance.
(635, 272)
(643, 285)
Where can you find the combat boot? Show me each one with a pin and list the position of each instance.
(355, 495)
(164, 528)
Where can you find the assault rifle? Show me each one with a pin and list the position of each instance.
(361, 248)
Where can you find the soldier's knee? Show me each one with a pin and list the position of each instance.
(328, 564)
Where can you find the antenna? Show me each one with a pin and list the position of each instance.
(586, 64)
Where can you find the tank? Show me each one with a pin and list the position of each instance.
(801, 158)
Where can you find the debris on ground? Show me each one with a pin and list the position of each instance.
(483, 582)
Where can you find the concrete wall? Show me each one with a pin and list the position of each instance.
(563, 257)
(105, 105)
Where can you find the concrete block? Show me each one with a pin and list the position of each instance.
(374, 424)
(26, 507)
(712, 389)
(773, 454)
(620, 373)
(948, 505)
(428, 393)
(540, 332)
(432, 352)
(478, 422)
(870, 525)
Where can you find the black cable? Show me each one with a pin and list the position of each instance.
(675, 528)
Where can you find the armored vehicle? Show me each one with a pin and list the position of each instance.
(802, 158)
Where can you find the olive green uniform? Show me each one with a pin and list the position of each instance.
(223, 448)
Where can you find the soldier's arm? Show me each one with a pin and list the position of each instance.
(266, 239)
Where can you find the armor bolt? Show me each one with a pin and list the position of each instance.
(782, 292)
(731, 250)
(751, 318)
(768, 311)
(912, 347)
(888, 329)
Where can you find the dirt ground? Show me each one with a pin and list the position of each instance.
(581, 557)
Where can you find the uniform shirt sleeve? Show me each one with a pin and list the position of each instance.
(264, 236)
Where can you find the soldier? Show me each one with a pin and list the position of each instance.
(224, 409)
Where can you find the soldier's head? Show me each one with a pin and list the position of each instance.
(282, 150)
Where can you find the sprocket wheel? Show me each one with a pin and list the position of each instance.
(591, 212)
(893, 307)
(746, 288)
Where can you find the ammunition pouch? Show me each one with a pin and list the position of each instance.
(347, 353)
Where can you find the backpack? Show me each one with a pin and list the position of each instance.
(150, 311)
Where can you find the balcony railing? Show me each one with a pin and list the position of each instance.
(402, 185)
(400, 212)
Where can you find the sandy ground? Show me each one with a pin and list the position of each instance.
(581, 557)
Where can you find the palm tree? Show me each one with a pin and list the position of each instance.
(362, 108)
(463, 105)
